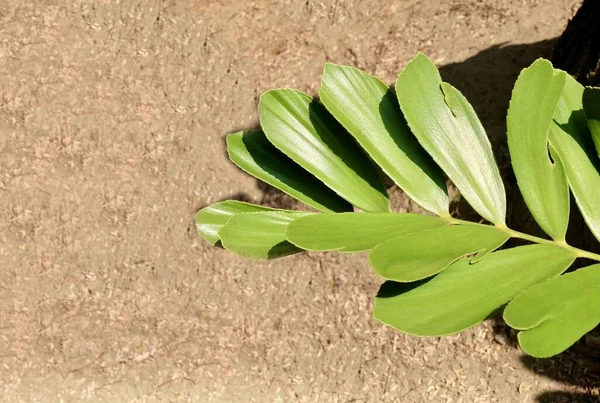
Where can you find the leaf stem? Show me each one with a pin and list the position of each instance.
(521, 235)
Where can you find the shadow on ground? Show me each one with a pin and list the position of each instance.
(487, 79)
(576, 367)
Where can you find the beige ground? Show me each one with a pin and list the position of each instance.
(112, 120)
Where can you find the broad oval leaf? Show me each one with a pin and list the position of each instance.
(253, 153)
(571, 140)
(591, 106)
(448, 129)
(211, 219)
(354, 232)
(465, 294)
(368, 109)
(543, 184)
(302, 129)
(554, 314)
(406, 259)
(260, 235)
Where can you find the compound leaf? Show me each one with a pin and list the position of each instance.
(465, 294)
(353, 232)
(543, 184)
(303, 130)
(259, 235)
(405, 258)
(448, 129)
(368, 109)
(253, 153)
(591, 106)
(211, 219)
(571, 140)
(556, 313)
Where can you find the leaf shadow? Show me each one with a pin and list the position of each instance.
(566, 397)
(391, 289)
(576, 367)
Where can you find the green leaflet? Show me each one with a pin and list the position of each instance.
(211, 219)
(448, 129)
(591, 106)
(543, 185)
(556, 313)
(465, 294)
(367, 108)
(303, 130)
(259, 235)
(405, 258)
(253, 153)
(354, 232)
(571, 139)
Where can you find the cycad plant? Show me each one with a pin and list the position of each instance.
(443, 274)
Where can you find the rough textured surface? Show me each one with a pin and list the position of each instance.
(112, 120)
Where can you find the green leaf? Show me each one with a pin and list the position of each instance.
(570, 137)
(303, 130)
(354, 232)
(368, 109)
(253, 153)
(211, 219)
(465, 294)
(448, 129)
(556, 313)
(591, 106)
(405, 258)
(543, 185)
(259, 235)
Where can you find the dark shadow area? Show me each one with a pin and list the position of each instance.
(591, 102)
(566, 397)
(391, 289)
(578, 50)
(577, 367)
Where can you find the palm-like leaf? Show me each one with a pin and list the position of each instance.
(444, 273)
